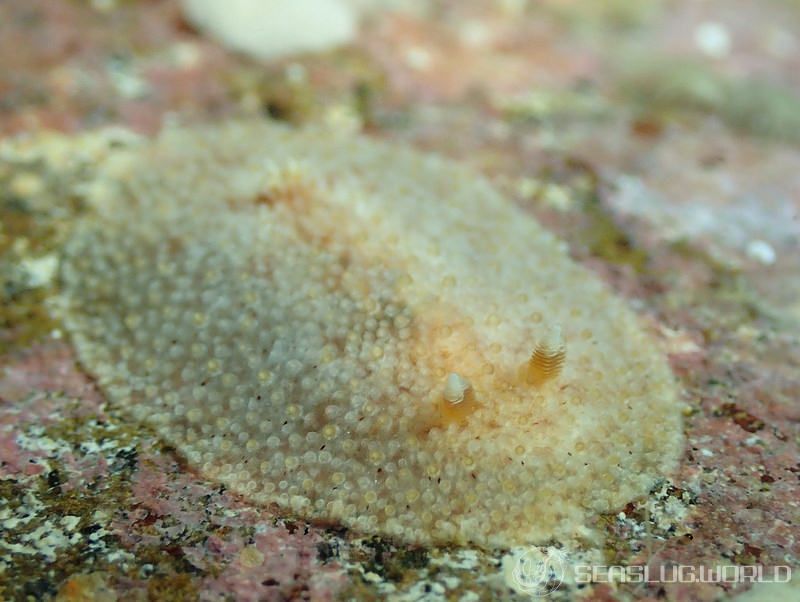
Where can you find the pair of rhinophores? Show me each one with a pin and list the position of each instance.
(360, 333)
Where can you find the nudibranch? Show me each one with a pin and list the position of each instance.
(360, 333)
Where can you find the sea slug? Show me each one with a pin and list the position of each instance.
(360, 333)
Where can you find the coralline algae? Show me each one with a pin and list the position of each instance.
(360, 333)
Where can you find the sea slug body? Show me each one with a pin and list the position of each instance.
(336, 326)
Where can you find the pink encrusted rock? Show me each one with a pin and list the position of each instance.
(475, 49)
(45, 368)
(275, 564)
(167, 503)
(33, 388)
(15, 461)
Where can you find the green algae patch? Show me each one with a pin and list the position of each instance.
(672, 87)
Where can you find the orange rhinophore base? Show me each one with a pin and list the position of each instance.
(546, 360)
(458, 401)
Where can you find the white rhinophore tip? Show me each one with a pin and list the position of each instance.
(455, 387)
(553, 340)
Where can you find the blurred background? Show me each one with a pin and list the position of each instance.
(689, 107)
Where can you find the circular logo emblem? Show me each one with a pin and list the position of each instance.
(536, 572)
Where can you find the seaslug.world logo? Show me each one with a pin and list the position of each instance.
(536, 572)
(539, 572)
